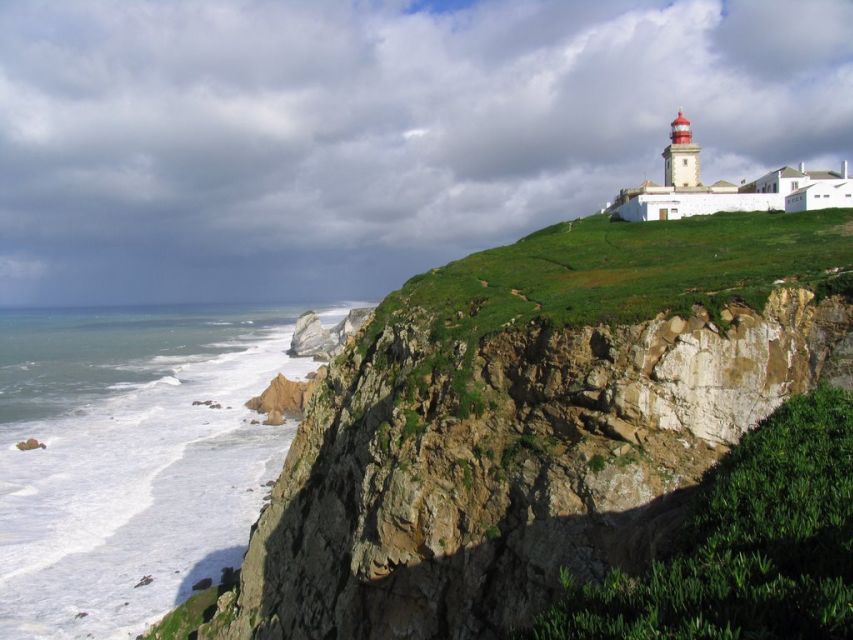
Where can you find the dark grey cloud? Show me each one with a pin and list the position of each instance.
(283, 150)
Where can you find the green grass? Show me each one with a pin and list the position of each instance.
(767, 553)
(492, 532)
(597, 463)
(186, 618)
(593, 270)
(414, 426)
(467, 473)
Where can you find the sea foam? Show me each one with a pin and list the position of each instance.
(140, 483)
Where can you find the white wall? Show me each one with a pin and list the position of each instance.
(823, 194)
(771, 183)
(646, 207)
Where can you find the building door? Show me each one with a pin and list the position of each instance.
(664, 214)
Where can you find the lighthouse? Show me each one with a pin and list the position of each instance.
(681, 158)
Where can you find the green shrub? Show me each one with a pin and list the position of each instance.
(414, 426)
(470, 403)
(597, 463)
(492, 532)
(767, 552)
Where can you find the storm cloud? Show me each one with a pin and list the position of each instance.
(271, 151)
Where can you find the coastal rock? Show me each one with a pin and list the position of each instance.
(283, 396)
(143, 582)
(405, 517)
(31, 443)
(225, 601)
(310, 337)
(356, 318)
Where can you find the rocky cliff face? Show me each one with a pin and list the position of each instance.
(403, 513)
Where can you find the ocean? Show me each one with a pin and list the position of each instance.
(136, 481)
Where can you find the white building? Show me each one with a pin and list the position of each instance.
(677, 205)
(683, 194)
(786, 180)
(821, 194)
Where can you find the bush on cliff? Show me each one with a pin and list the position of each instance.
(767, 553)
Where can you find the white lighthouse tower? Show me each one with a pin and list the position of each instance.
(681, 158)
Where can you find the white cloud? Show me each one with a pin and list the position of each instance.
(209, 129)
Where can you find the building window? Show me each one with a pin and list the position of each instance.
(676, 210)
(775, 187)
(846, 195)
(794, 185)
(684, 162)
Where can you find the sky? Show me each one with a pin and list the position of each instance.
(167, 151)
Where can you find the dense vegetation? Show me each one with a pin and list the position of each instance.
(767, 553)
(593, 270)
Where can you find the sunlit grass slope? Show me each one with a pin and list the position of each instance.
(593, 270)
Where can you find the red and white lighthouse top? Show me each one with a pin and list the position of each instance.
(681, 133)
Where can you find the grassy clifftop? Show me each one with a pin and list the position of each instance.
(593, 270)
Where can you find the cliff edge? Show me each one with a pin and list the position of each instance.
(484, 431)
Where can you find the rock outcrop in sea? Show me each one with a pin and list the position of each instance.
(29, 444)
(310, 338)
(285, 398)
(406, 510)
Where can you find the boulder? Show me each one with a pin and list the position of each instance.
(310, 337)
(144, 582)
(282, 395)
(30, 444)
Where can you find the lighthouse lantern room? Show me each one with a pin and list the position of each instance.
(681, 133)
(681, 158)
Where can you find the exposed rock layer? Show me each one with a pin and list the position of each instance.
(395, 519)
